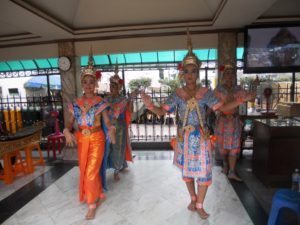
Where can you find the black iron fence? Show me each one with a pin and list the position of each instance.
(147, 126)
(17, 112)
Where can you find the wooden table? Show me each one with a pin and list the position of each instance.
(20, 140)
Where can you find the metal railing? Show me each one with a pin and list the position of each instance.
(147, 126)
(17, 112)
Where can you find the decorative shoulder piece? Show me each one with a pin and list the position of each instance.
(190, 58)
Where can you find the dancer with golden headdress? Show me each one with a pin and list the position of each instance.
(87, 112)
(228, 126)
(193, 153)
(119, 113)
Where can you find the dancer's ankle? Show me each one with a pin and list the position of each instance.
(192, 205)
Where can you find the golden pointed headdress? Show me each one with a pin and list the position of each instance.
(190, 57)
(225, 67)
(89, 70)
(115, 78)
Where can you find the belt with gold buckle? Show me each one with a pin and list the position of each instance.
(88, 132)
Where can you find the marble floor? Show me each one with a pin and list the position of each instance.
(20, 181)
(150, 192)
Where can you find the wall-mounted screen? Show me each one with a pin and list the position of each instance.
(272, 49)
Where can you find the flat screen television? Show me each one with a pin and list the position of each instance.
(271, 49)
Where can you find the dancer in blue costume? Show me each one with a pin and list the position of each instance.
(192, 147)
(117, 155)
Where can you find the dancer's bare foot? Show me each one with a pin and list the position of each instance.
(92, 208)
(124, 169)
(233, 176)
(91, 212)
(192, 205)
(203, 215)
(116, 176)
(225, 170)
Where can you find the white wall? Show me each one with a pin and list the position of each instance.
(13, 83)
(29, 52)
(145, 44)
(202, 41)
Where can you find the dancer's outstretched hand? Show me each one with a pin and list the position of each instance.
(134, 93)
(250, 96)
(146, 99)
(70, 138)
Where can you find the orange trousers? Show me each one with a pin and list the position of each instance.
(90, 156)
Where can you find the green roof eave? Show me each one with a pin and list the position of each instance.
(31, 64)
(173, 56)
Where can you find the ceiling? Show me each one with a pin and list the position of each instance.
(29, 22)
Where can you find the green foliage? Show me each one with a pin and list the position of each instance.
(140, 83)
(171, 83)
(203, 83)
(283, 79)
(247, 80)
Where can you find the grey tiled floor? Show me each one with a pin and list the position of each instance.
(150, 192)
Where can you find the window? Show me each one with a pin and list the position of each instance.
(13, 91)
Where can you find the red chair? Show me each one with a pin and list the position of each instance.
(56, 137)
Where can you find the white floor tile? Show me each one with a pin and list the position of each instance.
(150, 192)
